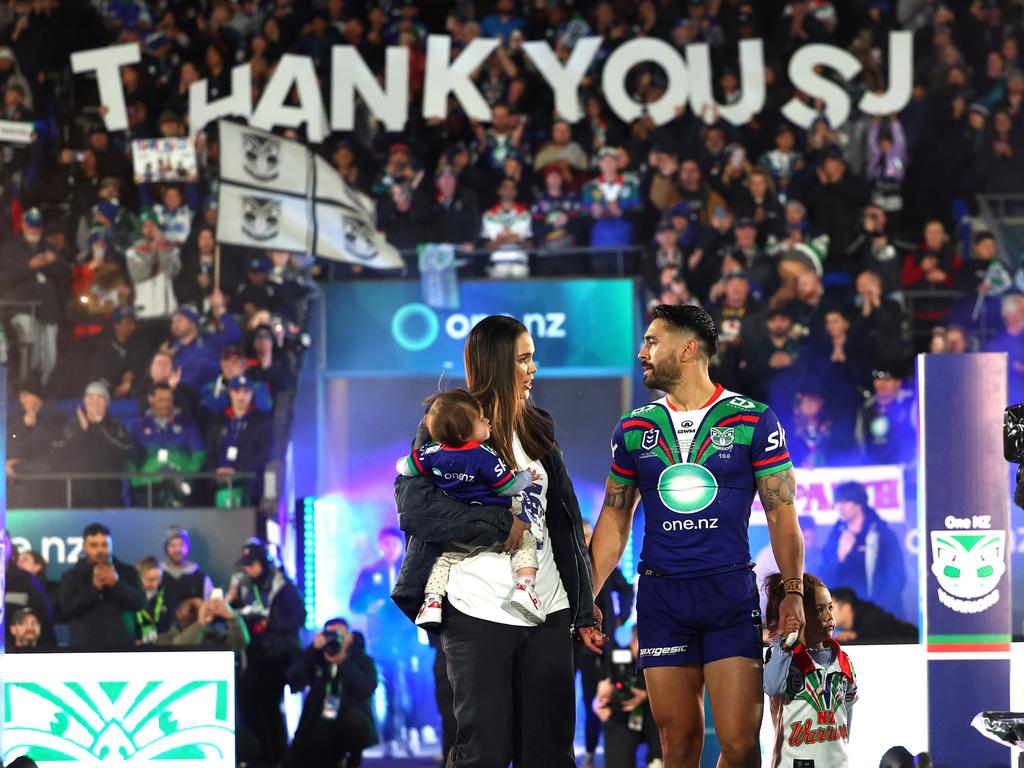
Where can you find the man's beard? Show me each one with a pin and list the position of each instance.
(661, 379)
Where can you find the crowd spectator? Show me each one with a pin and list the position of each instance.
(30, 271)
(153, 618)
(862, 621)
(269, 372)
(233, 363)
(196, 348)
(25, 630)
(1011, 341)
(209, 624)
(456, 212)
(886, 428)
(555, 212)
(240, 438)
(117, 355)
(862, 552)
(93, 441)
(34, 563)
(166, 443)
(100, 594)
(33, 428)
(24, 591)
(609, 199)
(153, 262)
(182, 578)
(506, 228)
(273, 611)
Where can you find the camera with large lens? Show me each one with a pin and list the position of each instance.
(624, 677)
(333, 645)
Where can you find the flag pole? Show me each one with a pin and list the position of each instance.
(216, 267)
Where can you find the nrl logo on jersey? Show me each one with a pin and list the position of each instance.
(723, 438)
(650, 439)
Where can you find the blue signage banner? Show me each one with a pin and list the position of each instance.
(580, 327)
(217, 535)
(963, 519)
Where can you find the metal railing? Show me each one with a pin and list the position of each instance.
(942, 300)
(476, 259)
(151, 480)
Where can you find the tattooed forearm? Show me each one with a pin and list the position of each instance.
(615, 495)
(777, 491)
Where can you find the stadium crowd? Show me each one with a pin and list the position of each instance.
(827, 256)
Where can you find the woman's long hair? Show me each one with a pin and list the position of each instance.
(490, 376)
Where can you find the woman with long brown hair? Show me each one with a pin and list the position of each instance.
(513, 683)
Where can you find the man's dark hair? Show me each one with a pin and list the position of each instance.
(692, 319)
(336, 620)
(450, 416)
(844, 595)
(94, 529)
(983, 236)
(160, 385)
(384, 532)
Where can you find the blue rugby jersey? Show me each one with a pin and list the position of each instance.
(697, 505)
(472, 472)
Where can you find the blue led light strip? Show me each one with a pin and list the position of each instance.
(309, 561)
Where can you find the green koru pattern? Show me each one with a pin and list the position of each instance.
(132, 722)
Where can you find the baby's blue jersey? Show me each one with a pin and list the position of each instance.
(473, 472)
(697, 505)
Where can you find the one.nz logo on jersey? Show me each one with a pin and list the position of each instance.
(687, 488)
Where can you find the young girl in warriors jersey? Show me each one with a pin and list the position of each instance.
(812, 682)
(463, 466)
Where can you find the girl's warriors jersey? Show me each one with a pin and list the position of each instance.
(811, 704)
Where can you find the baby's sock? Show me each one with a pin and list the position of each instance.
(526, 580)
(431, 596)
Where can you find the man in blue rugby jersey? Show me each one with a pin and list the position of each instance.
(695, 458)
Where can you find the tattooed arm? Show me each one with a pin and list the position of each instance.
(612, 530)
(778, 496)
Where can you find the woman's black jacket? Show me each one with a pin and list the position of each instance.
(431, 519)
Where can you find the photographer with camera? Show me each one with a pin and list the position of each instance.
(337, 717)
(274, 612)
(621, 705)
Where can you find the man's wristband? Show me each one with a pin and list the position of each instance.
(793, 586)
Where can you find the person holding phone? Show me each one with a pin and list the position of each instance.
(100, 595)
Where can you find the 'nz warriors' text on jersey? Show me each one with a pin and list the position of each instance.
(696, 472)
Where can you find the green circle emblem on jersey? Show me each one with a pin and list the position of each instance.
(687, 488)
